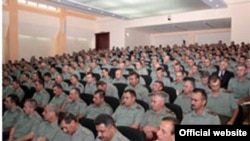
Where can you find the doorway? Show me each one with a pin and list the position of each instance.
(102, 41)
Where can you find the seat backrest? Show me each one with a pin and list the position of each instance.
(112, 101)
(131, 133)
(176, 109)
(97, 76)
(120, 87)
(239, 119)
(88, 98)
(147, 79)
(112, 72)
(51, 93)
(171, 92)
(88, 123)
(143, 104)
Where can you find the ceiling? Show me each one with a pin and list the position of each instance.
(135, 9)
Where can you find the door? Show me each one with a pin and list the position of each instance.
(102, 41)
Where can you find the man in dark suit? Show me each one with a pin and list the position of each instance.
(224, 74)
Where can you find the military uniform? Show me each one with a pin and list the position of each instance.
(65, 86)
(152, 118)
(48, 130)
(11, 116)
(79, 86)
(202, 86)
(184, 102)
(77, 107)
(20, 93)
(223, 105)
(112, 91)
(7, 90)
(240, 88)
(48, 85)
(90, 88)
(107, 80)
(42, 97)
(126, 116)
(206, 118)
(81, 134)
(58, 100)
(141, 92)
(25, 123)
(117, 137)
(121, 80)
(177, 86)
(93, 111)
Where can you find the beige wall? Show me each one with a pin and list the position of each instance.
(238, 12)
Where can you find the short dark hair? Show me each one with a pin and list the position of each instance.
(33, 103)
(174, 121)
(101, 93)
(132, 92)
(202, 91)
(66, 117)
(77, 90)
(59, 86)
(14, 98)
(100, 83)
(160, 82)
(135, 74)
(105, 119)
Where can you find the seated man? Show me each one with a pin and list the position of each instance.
(76, 132)
(26, 121)
(109, 89)
(99, 106)
(48, 128)
(184, 99)
(200, 115)
(12, 113)
(158, 87)
(74, 104)
(41, 95)
(152, 118)
(222, 103)
(59, 95)
(129, 113)
(166, 130)
(134, 84)
(106, 129)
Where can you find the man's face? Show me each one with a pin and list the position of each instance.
(215, 86)
(118, 74)
(97, 99)
(8, 103)
(47, 114)
(165, 131)
(26, 108)
(241, 71)
(187, 87)
(104, 133)
(128, 99)
(68, 128)
(157, 87)
(196, 101)
(133, 81)
(73, 95)
(156, 102)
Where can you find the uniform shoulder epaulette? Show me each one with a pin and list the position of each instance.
(138, 107)
(211, 113)
(86, 131)
(19, 110)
